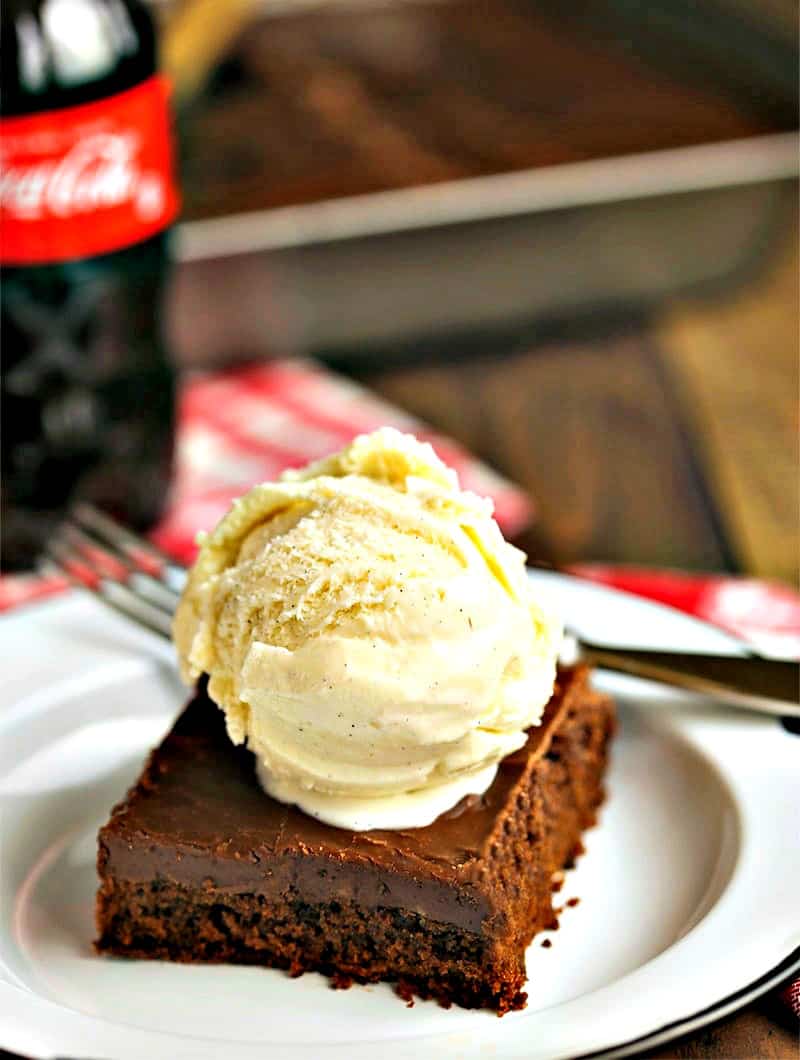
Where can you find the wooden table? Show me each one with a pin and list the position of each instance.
(672, 442)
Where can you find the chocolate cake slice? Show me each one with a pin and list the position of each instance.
(198, 864)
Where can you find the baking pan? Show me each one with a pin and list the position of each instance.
(405, 266)
(288, 257)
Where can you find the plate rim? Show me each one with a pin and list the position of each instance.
(782, 972)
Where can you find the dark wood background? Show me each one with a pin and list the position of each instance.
(672, 441)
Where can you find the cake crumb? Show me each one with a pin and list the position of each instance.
(572, 902)
(405, 991)
(519, 1002)
(546, 944)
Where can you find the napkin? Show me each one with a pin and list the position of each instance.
(765, 614)
(246, 425)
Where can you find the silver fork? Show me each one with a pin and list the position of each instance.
(126, 572)
(138, 580)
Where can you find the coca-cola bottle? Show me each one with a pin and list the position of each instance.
(87, 194)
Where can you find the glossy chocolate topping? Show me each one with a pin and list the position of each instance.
(198, 817)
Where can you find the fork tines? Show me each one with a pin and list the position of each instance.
(125, 571)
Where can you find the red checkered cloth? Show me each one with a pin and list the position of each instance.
(764, 613)
(790, 995)
(246, 425)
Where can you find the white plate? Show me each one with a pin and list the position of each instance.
(688, 890)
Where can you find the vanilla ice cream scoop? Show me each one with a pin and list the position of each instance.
(370, 635)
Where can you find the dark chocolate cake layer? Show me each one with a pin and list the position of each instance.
(198, 864)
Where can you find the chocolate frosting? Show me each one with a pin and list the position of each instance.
(198, 817)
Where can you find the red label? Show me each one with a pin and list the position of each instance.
(87, 180)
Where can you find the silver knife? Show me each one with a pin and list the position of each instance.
(747, 681)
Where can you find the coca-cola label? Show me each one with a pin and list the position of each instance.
(87, 180)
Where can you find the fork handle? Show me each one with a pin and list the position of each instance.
(754, 683)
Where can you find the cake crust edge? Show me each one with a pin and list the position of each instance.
(557, 789)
